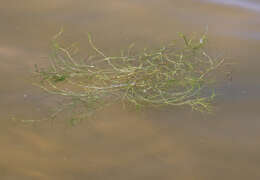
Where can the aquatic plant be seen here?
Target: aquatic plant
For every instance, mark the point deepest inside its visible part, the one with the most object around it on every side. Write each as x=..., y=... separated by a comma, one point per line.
x=167, y=76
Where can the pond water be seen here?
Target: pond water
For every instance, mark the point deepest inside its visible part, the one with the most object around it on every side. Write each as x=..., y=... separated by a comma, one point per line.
x=174, y=144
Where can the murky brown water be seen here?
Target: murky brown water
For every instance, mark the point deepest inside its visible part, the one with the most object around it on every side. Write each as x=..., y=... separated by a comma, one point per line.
x=165, y=145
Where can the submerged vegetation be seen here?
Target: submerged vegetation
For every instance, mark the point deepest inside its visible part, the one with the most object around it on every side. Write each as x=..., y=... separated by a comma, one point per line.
x=167, y=76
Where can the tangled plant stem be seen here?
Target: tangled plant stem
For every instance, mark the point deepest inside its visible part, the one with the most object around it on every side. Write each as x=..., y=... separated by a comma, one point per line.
x=168, y=76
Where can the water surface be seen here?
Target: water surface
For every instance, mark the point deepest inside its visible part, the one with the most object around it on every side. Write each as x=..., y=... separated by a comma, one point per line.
x=176, y=144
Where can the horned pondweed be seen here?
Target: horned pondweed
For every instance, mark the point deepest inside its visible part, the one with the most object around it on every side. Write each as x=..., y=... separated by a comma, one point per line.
x=167, y=76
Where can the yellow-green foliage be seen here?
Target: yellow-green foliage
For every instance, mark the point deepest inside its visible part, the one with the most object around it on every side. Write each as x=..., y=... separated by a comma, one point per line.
x=168, y=76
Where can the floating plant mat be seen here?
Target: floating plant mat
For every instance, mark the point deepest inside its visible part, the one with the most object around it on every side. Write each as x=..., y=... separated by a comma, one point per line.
x=167, y=76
